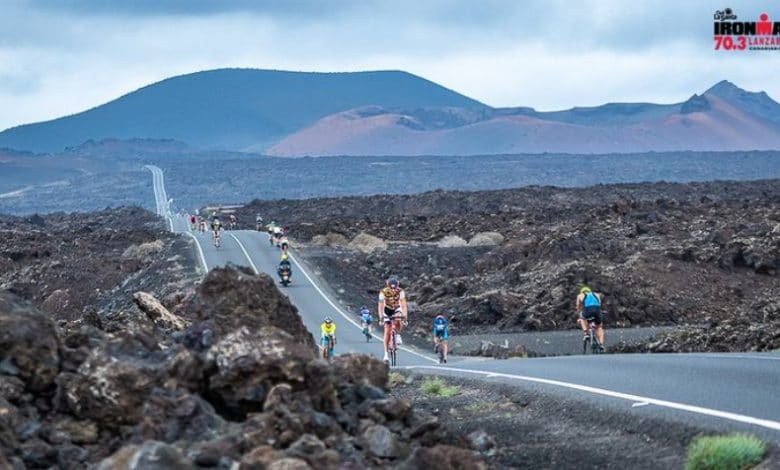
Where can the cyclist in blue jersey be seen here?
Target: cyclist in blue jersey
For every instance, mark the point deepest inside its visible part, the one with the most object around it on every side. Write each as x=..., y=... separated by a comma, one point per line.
x=589, y=308
x=365, y=319
x=441, y=335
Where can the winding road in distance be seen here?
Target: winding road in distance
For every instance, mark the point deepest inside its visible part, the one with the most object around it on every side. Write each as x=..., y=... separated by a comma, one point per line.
x=717, y=392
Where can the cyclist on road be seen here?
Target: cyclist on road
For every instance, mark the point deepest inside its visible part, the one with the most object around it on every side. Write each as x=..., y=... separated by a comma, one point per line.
x=589, y=308
x=441, y=334
x=233, y=222
x=365, y=318
x=328, y=337
x=391, y=299
x=258, y=223
x=284, y=244
x=216, y=227
x=193, y=221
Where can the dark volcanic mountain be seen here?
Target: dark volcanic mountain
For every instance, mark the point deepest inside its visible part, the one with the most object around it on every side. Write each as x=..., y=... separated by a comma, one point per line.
x=236, y=109
x=395, y=113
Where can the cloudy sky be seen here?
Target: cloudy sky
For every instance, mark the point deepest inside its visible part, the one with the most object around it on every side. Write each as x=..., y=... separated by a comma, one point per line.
x=58, y=57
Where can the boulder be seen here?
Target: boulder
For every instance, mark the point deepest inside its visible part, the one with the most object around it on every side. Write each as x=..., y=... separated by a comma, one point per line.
x=248, y=363
x=360, y=369
x=381, y=442
x=29, y=347
x=231, y=298
x=260, y=458
x=451, y=241
x=289, y=463
x=112, y=384
x=143, y=251
x=367, y=243
x=157, y=312
x=443, y=457
x=486, y=239
x=151, y=455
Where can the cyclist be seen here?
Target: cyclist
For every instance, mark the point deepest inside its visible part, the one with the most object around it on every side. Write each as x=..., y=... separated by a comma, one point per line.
x=270, y=229
x=202, y=223
x=391, y=299
x=258, y=223
x=328, y=337
x=193, y=220
x=589, y=308
x=233, y=222
x=365, y=319
x=216, y=226
x=284, y=244
x=441, y=335
x=277, y=234
x=284, y=267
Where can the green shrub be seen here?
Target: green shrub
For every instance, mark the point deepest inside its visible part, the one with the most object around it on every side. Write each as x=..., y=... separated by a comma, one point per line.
x=438, y=388
x=730, y=452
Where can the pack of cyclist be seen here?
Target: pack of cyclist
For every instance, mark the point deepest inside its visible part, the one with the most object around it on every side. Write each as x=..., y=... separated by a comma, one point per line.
x=392, y=308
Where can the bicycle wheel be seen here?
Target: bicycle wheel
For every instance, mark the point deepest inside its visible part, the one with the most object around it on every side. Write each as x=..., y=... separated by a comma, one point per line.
x=585, y=344
x=393, y=348
x=596, y=346
x=441, y=353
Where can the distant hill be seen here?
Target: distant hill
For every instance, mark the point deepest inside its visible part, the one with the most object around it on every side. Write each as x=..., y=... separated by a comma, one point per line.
x=235, y=109
x=725, y=117
x=389, y=113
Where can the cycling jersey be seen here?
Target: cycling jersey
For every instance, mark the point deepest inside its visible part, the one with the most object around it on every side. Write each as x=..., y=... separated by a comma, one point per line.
x=328, y=330
x=216, y=226
x=440, y=328
x=366, y=317
x=392, y=297
x=591, y=300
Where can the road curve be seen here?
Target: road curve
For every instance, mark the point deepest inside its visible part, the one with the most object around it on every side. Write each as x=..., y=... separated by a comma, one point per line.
x=719, y=392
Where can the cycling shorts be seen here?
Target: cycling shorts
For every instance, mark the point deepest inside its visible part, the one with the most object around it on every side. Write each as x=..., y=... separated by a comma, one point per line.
x=594, y=314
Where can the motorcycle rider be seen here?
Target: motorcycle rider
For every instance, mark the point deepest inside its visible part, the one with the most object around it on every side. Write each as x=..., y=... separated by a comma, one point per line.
x=284, y=268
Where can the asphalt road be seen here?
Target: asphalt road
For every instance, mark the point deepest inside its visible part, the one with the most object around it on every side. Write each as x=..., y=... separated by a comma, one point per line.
x=717, y=392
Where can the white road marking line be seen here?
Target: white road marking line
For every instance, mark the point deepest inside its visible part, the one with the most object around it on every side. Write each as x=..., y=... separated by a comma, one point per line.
x=740, y=356
x=765, y=423
x=241, y=245
x=641, y=403
x=200, y=251
x=346, y=317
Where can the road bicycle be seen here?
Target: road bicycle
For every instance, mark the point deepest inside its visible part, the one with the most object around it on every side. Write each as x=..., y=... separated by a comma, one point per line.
x=591, y=342
x=392, y=345
x=438, y=349
x=217, y=239
x=327, y=349
x=367, y=331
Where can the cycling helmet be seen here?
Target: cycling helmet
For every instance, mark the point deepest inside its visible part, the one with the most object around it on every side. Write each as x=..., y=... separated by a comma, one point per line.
x=328, y=320
x=439, y=316
x=364, y=309
x=585, y=290
x=392, y=281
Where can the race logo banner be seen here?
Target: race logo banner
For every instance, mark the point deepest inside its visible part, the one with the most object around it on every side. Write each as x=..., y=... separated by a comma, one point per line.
x=732, y=34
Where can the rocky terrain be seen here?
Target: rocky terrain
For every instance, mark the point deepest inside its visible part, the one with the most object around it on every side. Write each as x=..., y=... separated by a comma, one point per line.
x=114, y=355
x=705, y=255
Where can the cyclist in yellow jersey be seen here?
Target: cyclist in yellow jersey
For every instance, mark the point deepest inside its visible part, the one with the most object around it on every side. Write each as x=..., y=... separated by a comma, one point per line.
x=328, y=337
